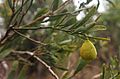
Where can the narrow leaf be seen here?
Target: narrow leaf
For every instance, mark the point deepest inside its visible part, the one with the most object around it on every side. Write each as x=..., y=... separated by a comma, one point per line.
x=10, y=4
x=89, y=27
x=61, y=68
x=22, y=74
x=80, y=66
x=99, y=27
x=70, y=22
x=93, y=28
x=5, y=52
x=56, y=17
x=85, y=19
x=12, y=73
x=100, y=38
x=40, y=12
x=55, y=5
x=66, y=41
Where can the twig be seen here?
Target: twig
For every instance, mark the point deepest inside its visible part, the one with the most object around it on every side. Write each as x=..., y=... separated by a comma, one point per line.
x=6, y=36
x=97, y=76
x=37, y=42
x=47, y=66
x=62, y=6
x=36, y=28
x=36, y=20
x=47, y=14
x=41, y=61
x=67, y=31
x=25, y=12
x=116, y=75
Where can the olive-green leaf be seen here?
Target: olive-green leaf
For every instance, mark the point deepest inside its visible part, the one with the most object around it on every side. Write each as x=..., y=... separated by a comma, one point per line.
x=85, y=19
x=10, y=4
x=100, y=38
x=61, y=68
x=12, y=73
x=90, y=26
x=98, y=27
x=40, y=12
x=80, y=66
x=55, y=5
x=70, y=22
x=55, y=17
x=5, y=52
x=22, y=73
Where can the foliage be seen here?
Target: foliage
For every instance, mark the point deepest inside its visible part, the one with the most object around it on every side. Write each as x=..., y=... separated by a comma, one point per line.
x=44, y=31
x=111, y=68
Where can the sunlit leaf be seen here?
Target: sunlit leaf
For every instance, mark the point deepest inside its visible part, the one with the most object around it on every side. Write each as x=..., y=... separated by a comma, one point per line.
x=65, y=41
x=55, y=17
x=98, y=27
x=100, y=38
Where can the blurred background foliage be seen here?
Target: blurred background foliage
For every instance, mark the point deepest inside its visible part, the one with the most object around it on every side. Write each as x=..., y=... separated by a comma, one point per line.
x=48, y=30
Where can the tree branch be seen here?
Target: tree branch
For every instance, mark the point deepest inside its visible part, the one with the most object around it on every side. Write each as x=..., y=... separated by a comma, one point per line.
x=37, y=42
x=38, y=59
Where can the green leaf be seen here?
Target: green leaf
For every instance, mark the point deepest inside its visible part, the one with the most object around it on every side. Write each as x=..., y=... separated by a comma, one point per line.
x=89, y=27
x=5, y=52
x=61, y=68
x=65, y=75
x=70, y=22
x=55, y=5
x=65, y=41
x=93, y=28
x=56, y=17
x=100, y=38
x=85, y=19
x=40, y=12
x=12, y=73
x=98, y=27
x=82, y=63
x=10, y=4
x=86, y=29
x=22, y=74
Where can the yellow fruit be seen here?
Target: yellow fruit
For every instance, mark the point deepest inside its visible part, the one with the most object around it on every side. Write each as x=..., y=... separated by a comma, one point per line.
x=88, y=51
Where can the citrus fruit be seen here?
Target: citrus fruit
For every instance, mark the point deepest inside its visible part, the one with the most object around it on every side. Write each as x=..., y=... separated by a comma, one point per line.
x=88, y=51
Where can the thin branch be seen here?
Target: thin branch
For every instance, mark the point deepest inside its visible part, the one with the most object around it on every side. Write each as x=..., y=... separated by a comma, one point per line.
x=37, y=42
x=47, y=14
x=115, y=76
x=40, y=60
x=6, y=36
x=25, y=12
x=38, y=19
x=36, y=28
x=47, y=66
x=21, y=6
x=62, y=6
